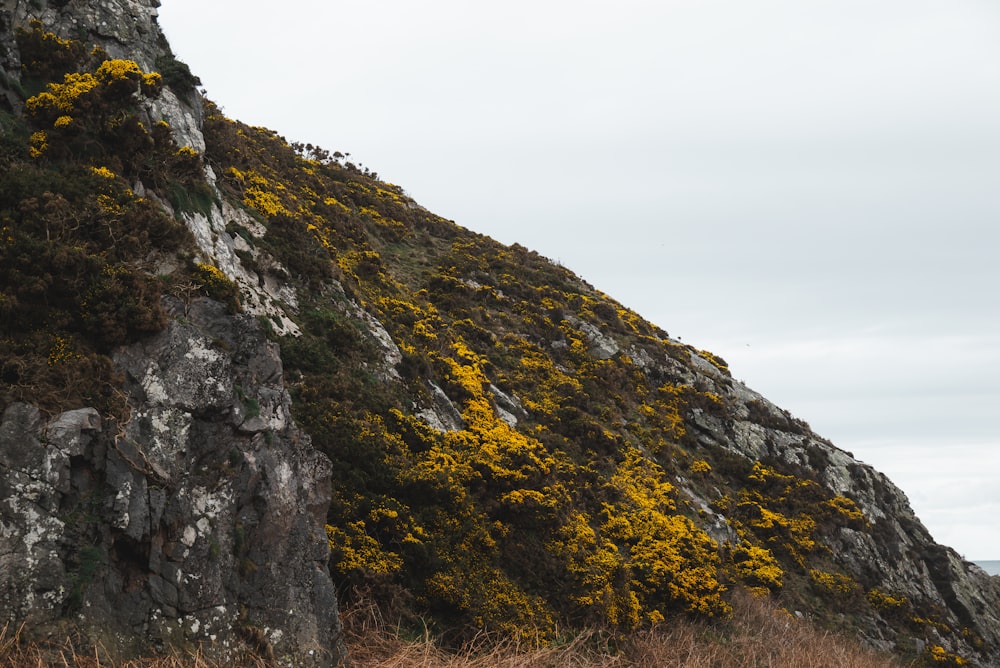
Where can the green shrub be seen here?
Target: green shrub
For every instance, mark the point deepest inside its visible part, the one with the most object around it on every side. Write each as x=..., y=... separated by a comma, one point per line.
x=176, y=74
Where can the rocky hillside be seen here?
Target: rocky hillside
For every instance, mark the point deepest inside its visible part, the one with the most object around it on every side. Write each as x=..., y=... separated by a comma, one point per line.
x=238, y=376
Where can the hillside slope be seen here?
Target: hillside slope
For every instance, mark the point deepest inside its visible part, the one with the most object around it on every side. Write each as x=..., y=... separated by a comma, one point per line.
x=237, y=373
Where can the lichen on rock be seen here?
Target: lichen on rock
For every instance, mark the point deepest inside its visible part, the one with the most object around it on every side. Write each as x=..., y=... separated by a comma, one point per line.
x=182, y=524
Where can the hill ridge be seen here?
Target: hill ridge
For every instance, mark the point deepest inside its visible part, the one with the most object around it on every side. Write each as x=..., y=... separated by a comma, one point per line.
x=469, y=432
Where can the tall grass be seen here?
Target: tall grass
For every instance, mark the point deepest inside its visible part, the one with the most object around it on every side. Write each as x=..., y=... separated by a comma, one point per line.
x=18, y=652
x=759, y=635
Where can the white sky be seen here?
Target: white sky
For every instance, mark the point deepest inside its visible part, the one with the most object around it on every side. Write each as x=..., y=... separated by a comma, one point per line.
x=810, y=189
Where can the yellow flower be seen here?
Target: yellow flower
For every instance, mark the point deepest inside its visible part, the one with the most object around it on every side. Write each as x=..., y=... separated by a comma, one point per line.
x=265, y=203
x=113, y=71
x=700, y=466
x=151, y=84
x=103, y=171
x=39, y=143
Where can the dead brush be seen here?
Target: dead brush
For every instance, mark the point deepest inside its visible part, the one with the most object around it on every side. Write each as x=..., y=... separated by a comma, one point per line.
x=758, y=635
x=17, y=652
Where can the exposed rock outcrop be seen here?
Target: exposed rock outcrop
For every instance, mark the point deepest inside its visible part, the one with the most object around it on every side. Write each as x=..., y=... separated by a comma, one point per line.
x=123, y=28
x=197, y=520
x=199, y=516
x=127, y=29
x=897, y=553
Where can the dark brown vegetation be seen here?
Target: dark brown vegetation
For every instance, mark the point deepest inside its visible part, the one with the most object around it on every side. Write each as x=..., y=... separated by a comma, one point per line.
x=758, y=634
x=78, y=247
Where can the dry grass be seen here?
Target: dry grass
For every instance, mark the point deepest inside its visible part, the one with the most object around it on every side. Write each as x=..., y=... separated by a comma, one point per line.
x=17, y=652
x=758, y=636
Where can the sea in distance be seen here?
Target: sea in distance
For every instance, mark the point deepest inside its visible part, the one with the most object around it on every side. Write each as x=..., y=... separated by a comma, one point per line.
x=991, y=567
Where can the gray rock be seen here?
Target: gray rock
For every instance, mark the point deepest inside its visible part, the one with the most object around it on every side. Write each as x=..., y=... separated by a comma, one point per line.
x=442, y=414
x=33, y=576
x=207, y=526
x=199, y=516
x=602, y=346
x=20, y=449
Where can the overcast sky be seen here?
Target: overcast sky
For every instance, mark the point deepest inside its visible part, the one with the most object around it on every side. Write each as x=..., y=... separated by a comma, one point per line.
x=808, y=188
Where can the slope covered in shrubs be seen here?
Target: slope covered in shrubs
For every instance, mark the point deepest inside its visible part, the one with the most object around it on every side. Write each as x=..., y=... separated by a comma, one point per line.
x=514, y=452
x=513, y=460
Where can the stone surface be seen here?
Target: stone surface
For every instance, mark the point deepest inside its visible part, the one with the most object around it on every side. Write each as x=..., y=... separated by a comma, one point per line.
x=199, y=517
x=123, y=28
x=259, y=294
x=602, y=346
x=442, y=413
x=128, y=29
x=198, y=520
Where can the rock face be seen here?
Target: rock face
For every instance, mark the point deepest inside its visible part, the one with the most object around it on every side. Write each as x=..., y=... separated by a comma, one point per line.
x=128, y=29
x=199, y=516
x=199, y=519
x=897, y=553
x=123, y=28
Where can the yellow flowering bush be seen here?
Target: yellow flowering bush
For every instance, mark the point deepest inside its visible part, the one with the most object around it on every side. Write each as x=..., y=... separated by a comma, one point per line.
x=103, y=172
x=39, y=143
x=216, y=284
x=61, y=98
x=757, y=567
x=846, y=510
x=151, y=84
x=493, y=601
x=44, y=54
x=89, y=104
x=881, y=600
x=640, y=560
x=354, y=550
x=265, y=203
x=938, y=656
x=837, y=584
x=506, y=477
x=700, y=467
x=61, y=351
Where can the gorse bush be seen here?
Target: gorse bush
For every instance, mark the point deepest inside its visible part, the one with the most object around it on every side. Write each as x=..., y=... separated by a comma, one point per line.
x=215, y=284
x=68, y=269
x=44, y=55
x=78, y=244
x=551, y=499
x=514, y=454
x=449, y=515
